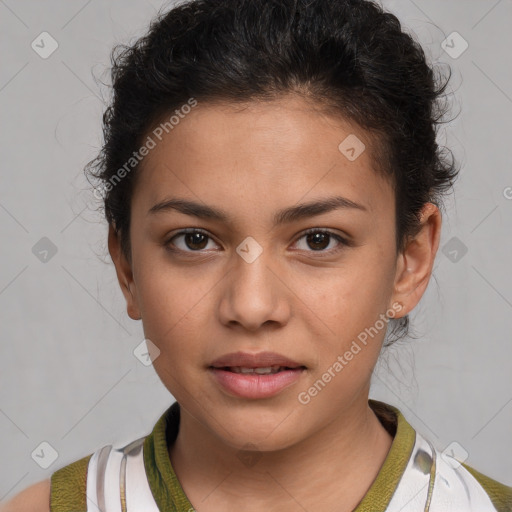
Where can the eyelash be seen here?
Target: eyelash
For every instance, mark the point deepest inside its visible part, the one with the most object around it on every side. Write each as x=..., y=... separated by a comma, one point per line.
x=343, y=241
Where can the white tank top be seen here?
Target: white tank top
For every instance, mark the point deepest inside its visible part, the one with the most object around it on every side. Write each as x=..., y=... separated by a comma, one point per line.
x=117, y=482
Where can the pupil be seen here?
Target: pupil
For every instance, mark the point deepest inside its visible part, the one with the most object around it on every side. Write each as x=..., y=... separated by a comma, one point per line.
x=192, y=239
x=316, y=238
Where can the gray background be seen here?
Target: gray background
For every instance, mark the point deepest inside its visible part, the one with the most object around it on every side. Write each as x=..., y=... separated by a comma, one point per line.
x=68, y=373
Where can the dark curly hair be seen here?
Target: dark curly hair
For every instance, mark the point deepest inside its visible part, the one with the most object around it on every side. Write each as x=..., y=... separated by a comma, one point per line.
x=350, y=57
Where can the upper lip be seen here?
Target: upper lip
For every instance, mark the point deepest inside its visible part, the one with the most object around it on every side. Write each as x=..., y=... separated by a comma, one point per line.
x=258, y=360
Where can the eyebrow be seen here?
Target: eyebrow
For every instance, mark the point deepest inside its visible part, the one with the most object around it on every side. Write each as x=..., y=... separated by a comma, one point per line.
x=286, y=215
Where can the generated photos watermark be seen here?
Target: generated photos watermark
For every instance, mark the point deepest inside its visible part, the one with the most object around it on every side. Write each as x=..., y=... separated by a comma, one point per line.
x=305, y=397
x=150, y=143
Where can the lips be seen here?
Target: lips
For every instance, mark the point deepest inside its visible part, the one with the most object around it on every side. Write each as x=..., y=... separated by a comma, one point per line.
x=247, y=362
x=255, y=376
x=263, y=370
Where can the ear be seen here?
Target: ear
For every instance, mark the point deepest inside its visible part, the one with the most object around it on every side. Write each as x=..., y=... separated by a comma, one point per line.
x=415, y=263
x=124, y=274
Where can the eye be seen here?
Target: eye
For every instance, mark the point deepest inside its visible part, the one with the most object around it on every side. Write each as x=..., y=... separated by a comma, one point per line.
x=196, y=240
x=318, y=240
x=193, y=240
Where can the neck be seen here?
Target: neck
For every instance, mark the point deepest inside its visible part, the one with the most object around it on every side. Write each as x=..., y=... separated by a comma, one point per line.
x=216, y=474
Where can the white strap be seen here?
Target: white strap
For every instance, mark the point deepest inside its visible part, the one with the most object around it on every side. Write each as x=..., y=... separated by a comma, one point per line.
x=138, y=493
x=111, y=479
x=411, y=493
x=110, y=471
x=90, y=493
x=95, y=485
x=454, y=488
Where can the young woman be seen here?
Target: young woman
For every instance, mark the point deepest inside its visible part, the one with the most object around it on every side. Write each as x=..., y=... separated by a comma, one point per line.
x=273, y=186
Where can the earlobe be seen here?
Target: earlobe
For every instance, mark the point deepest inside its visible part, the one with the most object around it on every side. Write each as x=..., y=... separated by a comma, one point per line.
x=124, y=274
x=415, y=263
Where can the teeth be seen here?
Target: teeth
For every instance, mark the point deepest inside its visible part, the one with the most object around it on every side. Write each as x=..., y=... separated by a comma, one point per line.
x=260, y=371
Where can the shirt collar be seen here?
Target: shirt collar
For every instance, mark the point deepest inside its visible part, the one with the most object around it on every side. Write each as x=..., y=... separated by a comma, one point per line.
x=170, y=496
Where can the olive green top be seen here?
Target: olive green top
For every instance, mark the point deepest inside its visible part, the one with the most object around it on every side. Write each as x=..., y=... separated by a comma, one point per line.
x=68, y=484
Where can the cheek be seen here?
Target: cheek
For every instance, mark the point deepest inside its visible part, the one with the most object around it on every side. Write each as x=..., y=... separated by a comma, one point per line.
x=352, y=302
x=165, y=291
x=352, y=296
x=172, y=309
x=347, y=358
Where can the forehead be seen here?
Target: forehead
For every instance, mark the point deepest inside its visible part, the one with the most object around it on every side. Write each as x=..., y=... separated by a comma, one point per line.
x=273, y=153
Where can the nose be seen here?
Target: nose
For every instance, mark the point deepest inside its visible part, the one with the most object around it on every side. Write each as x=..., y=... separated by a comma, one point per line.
x=254, y=293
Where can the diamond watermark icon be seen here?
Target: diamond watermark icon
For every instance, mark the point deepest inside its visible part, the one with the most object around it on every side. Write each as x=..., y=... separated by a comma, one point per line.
x=454, y=45
x=249, y=249
x=249, y=455
x=351, y=147
x=44, y=45
x=45, y=455
x=454, y=454
x=44, y=250
x=146, y=352
x=454, y=249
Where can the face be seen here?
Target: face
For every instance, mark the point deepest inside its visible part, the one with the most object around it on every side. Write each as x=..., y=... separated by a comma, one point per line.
x=255, y=273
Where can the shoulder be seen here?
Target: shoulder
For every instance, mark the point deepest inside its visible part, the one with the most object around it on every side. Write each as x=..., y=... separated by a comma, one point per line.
x=35, y=498
x=500, y=494
x=65, y=488
x=69, y=486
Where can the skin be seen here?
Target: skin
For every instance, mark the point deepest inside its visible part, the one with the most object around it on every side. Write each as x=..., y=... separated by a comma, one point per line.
x=35, y=498
x=202, y=301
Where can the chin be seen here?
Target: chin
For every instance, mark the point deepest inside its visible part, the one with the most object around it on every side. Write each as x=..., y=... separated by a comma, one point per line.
x=258, y=431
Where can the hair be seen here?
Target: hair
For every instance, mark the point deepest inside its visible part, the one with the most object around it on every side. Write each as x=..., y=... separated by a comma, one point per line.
x=348, y=57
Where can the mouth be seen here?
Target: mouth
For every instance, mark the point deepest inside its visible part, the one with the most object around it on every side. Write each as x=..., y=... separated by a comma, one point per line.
x=255, y=382
x=264, y=362
x=255, y=375
x=261, y=370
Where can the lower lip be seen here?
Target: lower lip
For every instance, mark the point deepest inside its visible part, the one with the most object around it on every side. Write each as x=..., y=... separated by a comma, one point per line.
x=252, y=385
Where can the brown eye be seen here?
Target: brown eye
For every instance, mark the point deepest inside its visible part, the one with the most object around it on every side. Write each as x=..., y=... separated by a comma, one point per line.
x=317, y=240
x=193, y=240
